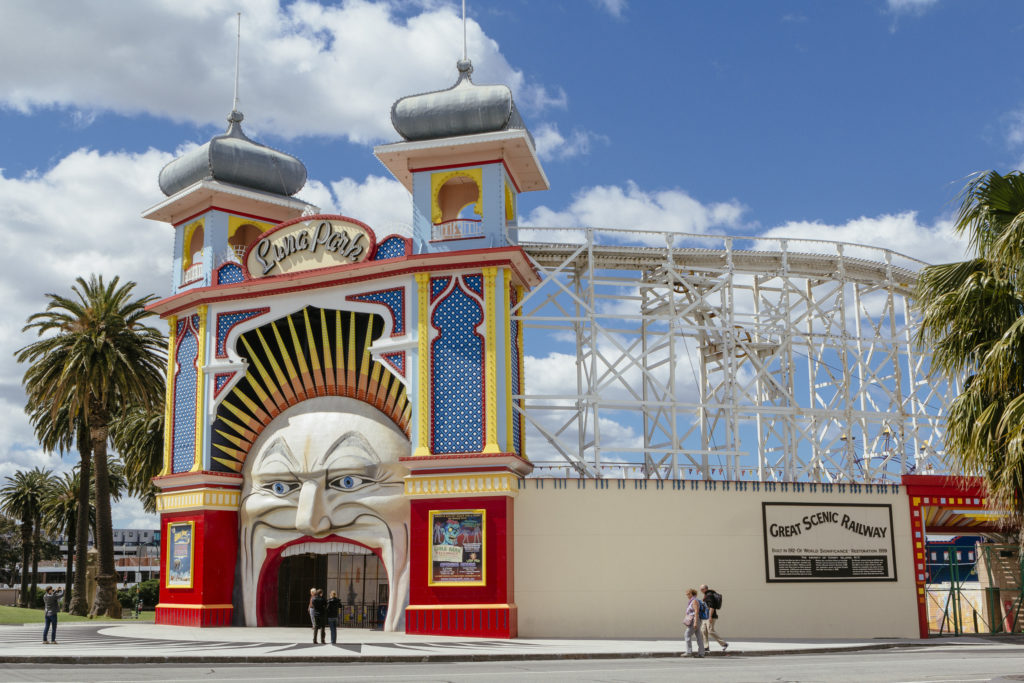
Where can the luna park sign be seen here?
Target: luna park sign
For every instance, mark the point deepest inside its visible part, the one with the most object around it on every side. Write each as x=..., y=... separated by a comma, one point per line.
x=310, y=243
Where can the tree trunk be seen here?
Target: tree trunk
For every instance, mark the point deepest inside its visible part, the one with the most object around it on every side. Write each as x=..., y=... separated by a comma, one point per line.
x=70, y=566
x=79, y=603
x=26, y=547
x=106, y=579
x=36, y=523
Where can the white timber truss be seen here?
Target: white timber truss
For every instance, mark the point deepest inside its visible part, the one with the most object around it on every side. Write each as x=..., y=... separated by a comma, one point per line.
x=672, y=356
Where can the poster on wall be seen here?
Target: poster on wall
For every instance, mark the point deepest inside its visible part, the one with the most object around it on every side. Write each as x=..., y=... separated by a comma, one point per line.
x=457, y=548
x=828, y=542
x=180, y=555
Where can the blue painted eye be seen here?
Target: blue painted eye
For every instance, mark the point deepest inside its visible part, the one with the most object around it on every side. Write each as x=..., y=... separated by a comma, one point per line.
x=349, y=482
x=280, y=488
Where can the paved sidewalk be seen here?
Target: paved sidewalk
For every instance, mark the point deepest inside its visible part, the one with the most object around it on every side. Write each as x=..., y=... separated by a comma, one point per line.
x=92, y=643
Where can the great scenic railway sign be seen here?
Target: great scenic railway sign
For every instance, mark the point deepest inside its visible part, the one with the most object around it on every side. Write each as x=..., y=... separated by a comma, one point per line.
x=310, y=243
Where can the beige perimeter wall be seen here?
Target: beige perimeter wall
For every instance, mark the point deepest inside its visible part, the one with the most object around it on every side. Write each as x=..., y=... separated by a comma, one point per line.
x=614, y=562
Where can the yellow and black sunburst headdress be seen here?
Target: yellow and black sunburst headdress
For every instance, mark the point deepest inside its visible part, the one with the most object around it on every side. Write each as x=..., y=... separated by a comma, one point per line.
x=310, y=353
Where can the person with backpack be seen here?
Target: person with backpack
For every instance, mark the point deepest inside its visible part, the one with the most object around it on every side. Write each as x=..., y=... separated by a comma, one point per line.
x=692, y=623
x=713, y=600
x=319, y=615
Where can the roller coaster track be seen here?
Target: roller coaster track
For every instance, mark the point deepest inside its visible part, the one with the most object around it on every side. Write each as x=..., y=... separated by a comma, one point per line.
x=664, y=355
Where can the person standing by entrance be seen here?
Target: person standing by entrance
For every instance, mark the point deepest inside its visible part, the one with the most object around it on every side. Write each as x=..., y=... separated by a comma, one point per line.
x=51, y=605
x=713, y=600
x=692, y=623
x=312, y=619
x=333, y=605
x=319, y=615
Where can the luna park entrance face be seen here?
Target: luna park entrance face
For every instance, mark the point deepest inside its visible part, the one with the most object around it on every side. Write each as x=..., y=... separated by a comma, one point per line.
x=359, y=579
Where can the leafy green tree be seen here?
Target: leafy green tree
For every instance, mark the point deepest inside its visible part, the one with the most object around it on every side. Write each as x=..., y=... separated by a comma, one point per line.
x=96, y=355
x=973, y=323
x=138, y=436
x=22, y=496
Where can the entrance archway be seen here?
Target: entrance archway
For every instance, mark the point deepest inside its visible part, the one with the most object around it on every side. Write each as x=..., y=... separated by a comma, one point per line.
x=354, y=572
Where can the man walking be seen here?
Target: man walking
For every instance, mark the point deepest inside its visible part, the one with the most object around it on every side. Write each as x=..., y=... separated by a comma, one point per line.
x=713, y=600
x=51, y=605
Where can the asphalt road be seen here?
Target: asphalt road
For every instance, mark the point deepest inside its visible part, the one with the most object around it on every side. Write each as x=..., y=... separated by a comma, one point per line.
x=904, y=665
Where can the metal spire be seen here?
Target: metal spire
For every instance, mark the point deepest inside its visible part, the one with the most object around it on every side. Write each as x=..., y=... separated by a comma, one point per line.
x=238, y=47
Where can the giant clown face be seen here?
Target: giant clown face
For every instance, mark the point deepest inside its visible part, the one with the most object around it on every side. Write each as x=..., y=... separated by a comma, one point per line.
x=325, y=471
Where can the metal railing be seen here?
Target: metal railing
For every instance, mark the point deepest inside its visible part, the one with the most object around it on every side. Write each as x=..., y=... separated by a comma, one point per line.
x=458, y=229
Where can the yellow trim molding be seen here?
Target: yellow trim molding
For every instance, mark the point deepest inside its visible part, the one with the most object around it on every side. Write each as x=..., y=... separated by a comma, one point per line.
x=437, y=181
x=490, y=363
x=198, y=499
x=510, y=204
x=186, y=242
x=197, y=461
x=423, y=363
x=462, y=484
x=172, y=338
x=235, y=222
x=506, y=328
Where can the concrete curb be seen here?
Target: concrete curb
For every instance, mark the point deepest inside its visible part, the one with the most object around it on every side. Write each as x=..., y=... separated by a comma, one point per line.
x=423, y=658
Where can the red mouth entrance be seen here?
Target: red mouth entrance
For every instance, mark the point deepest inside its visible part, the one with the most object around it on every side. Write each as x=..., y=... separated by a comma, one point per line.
x=282, y=600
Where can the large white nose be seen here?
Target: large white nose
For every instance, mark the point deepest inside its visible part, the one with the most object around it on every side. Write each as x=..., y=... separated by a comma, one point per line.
x=311, y=516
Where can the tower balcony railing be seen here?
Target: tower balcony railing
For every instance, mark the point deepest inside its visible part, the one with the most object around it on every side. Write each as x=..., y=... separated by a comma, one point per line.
x=192, y=273
x=458, y=229
x=235, y=253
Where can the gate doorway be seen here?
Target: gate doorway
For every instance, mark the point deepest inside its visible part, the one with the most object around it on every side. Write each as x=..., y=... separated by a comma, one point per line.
x=359, y=579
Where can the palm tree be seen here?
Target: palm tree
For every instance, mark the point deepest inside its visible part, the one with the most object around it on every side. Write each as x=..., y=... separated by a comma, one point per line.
x=60, y=516
x=22, y=496
x=138, y=436
x=973, y=323
x=96, y=356
x=57, y=433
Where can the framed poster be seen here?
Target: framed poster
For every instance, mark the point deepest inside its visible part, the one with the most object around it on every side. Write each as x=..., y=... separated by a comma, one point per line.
x=181, y=554
x=457, y=548
x=828, y=542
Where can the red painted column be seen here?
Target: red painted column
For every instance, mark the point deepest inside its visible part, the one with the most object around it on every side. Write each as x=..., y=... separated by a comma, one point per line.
x=486, y=610
x=202, y=508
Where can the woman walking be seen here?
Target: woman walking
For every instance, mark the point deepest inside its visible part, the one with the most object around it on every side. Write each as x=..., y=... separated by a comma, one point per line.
x=692, y=623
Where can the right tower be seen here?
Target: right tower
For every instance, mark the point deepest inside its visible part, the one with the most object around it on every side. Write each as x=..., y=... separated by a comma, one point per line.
x=465, y=158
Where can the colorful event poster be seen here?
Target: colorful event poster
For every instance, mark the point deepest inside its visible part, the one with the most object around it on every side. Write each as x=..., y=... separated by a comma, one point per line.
x=457, y=548
x=180, y=555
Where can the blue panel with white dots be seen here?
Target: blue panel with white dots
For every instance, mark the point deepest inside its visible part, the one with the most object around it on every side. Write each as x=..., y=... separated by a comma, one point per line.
x=395, y=360
x=226, y=321
x=457, y=391
x=392, y=247
x=394, y=299
x=475, y=283
x=183, y=447
x=437, y=285
x=230, y=273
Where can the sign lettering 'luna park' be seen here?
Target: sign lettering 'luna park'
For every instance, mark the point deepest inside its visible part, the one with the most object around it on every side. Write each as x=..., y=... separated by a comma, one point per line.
x=310, y=243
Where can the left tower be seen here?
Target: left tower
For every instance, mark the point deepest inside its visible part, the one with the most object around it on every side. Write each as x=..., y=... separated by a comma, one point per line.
x=221, y=198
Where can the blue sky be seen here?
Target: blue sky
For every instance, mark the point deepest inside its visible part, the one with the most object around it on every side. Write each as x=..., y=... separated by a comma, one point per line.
x=856, y=121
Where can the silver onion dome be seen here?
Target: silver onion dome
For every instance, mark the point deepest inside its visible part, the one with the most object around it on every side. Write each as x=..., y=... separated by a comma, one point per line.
x=234, y=158
x=463, y=109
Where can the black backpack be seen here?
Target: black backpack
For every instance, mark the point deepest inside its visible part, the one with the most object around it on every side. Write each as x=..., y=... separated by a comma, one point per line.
x=714, y=599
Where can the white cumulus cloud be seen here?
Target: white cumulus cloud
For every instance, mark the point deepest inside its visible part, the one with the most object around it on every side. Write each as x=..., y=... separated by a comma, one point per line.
x=632, y=208
x=306, y=69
